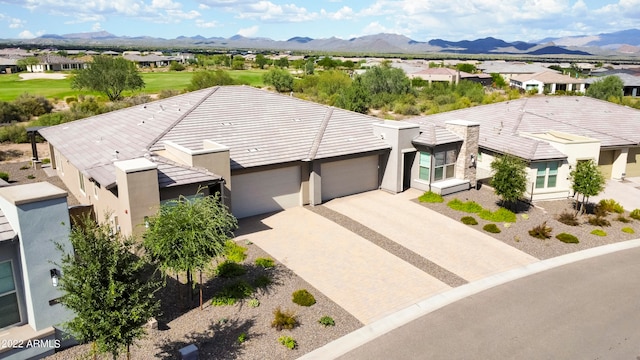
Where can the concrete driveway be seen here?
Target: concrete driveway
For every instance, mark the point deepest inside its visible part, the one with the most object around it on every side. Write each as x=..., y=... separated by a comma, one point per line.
x=460, y=249
x=362, y=278
x=627, y=193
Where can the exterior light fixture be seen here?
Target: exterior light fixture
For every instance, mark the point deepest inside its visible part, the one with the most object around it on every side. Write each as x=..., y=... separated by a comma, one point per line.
x=54, y=277
x=146, y=222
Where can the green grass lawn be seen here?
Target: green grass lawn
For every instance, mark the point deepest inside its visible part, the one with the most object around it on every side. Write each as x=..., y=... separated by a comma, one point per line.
x=12, y=86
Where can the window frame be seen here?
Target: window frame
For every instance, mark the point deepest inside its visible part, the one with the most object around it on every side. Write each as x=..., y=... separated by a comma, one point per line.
x=448, y=165
x=426, y=166
x=546, y=177
x=12, y=292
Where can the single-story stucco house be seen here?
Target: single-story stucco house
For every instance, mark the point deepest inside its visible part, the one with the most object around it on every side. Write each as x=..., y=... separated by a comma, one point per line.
x=265, y=152
x=553, y=133
x=33, y=219
x=549, y=82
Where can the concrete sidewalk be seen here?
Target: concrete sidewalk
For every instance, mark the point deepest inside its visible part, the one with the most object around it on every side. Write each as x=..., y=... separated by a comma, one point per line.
x=359, y=276
x=460, y=249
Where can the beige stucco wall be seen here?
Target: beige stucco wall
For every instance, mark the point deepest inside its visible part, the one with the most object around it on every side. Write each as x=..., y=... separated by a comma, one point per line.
x=633, y=162
x=605, y=162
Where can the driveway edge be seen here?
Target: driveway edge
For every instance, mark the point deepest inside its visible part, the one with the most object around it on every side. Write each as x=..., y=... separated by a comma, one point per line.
x=378, y=328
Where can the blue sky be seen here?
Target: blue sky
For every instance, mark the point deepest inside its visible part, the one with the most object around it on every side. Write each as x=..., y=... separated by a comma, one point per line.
x=279, y=20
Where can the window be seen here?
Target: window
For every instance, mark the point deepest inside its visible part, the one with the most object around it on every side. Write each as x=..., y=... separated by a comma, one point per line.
x=547, y=174
x=81, y=180
x=445, y=165
x=96, y=188
x=9, y=310
x=425, y=166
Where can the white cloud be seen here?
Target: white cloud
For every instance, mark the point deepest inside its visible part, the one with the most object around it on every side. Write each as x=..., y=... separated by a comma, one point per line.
x=96, y=27
x=248, y=32
x=26, y=34
x=206, y=24
x=165, y=4
x=16, y=23
x=344, y=13
x=203, y=7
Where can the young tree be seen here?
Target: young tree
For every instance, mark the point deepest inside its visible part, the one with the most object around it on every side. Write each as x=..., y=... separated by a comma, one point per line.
x=283, y=62
x=186, y=234
x=509, y=178
x=610, y=87
x=280, y=79
x=355, y=97
x=587, y=180
x=107, y=287
x=261, y=61
x=28, y=63
x=205, y=79
x=108, y=75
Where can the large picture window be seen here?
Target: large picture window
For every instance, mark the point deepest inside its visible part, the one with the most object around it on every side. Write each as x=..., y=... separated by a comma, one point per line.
x=9, y=310
x=425, y=166
x=445, y=165
x=547, y=174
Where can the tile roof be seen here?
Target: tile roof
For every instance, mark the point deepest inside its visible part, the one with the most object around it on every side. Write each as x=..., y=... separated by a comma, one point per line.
x=433, y=135
x=6, y=231
x=500, y=123
x=259, y=127
x=548, y=77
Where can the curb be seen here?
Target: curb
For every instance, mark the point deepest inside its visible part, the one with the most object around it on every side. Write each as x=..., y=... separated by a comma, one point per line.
x=378, y=328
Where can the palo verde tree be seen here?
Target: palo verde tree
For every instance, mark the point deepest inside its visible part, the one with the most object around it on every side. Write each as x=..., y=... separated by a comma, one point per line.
x=280, y=79
x=108, y=75
x=109, y=288
x=610, y=88
x=587, y=180
x=509, y=179
x=188, y=233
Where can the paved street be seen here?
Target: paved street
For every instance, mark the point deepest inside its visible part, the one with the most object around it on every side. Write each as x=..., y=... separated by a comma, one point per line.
x=588, y=309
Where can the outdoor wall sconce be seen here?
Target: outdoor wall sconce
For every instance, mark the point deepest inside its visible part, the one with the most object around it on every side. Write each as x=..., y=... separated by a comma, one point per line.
x=146, y=222
x=54, y=277
x=472, y=158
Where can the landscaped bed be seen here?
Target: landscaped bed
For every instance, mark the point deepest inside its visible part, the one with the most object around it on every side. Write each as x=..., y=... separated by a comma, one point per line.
x=516, y=233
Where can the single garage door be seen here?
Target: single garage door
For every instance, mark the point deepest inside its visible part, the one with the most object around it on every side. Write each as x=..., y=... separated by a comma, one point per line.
x=347, y=177
x=605, y=163
x=265, y=191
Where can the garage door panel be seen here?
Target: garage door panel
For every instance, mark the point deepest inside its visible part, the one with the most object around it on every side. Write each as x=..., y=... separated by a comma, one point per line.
x=265, y=191
x=347, y=177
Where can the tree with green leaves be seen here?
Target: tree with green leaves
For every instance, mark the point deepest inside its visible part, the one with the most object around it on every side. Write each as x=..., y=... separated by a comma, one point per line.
x=108, y=75
x=509, y=179
x=109, y=288
x=280, y=79
x=283, y=62
x=261, y=61
x=355, y=97
x=468, y=68
x=587, y=180
x=238, y=62
x=28, y=63
x=205, y=79
x=610, y=88
x=188, y=233
x=498, y=80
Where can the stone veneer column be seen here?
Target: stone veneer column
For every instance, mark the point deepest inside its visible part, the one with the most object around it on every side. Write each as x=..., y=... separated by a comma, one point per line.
x=467, y=158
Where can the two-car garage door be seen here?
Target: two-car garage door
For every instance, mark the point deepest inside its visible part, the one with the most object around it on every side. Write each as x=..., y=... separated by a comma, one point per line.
x=265, y=191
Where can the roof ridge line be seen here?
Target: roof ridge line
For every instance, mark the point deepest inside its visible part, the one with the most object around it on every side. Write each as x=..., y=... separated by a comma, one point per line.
x=323, y=127
x=170, y=127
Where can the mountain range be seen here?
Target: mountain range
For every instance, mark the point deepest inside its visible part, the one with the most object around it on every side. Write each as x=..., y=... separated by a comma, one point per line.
x=625, y=43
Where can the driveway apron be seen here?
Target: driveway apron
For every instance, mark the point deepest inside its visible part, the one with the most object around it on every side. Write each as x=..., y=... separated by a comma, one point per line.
x=458, y=248
x=359, y=276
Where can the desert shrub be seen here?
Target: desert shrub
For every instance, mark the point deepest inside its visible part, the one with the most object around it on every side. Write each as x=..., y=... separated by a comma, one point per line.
x=242, y=338
x=500, y=215
x=231, y=293
x=598, y=221
x=491, y=228
x=611, y=206
x=469, y=206
x=265, y=262
x=541, y=231
x=469, y=220
x=623, y=219
x=30, y=177
x=287, y=341
x=599, y=232
x=26, y=167
x=4, y=176
x=167, y=93
x=628, y=230
x=31, y=105
x=635, y=214
x=568, y=218
x=254, y=303
x=303, y=298
x=327, y=321
x=46, y=161
x=430, y=197
x=283, y=319
x=234, y=252
x=70, y=99
x=262, y=281
x=9, y=113
x=228, y=269
x=567, y=238
x=176, y=66
x=15, y=133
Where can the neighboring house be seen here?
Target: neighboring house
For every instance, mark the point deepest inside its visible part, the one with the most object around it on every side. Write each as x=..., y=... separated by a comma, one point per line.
x=552, y=134
x=8, y=66
x=547, y=82
x=630, y=79
x=510, y=69
x=151, y=60
x=33, y=219
x=52, y=62
x=450, y=75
